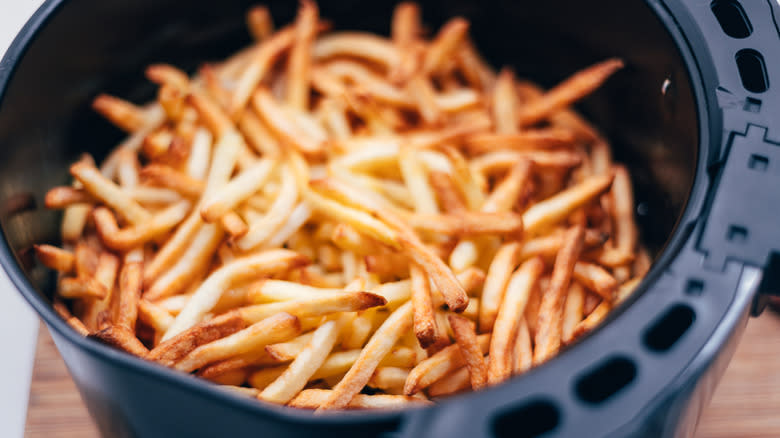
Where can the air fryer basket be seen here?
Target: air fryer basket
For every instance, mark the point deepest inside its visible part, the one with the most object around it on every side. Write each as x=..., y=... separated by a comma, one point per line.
x=690, y=116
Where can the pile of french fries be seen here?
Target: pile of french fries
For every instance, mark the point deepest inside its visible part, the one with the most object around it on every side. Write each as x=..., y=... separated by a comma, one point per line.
x=339, y=220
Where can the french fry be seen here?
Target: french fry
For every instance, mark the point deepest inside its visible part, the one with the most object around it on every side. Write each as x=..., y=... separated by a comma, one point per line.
x=507, y=192
x=63, y=197
x=444, y=45
x=573, y=311
x=260, y=22
x=133, y=236
x=314, y=398
x=327, y=304
x=439, y=365
x=130, y=286
x=505, y=103
x=523, y=351
x=388, y=378
x=500, y=364
x=498, y=275
x=287, y=351
x=466, y=339
x=237, y=190
x=276, y=328
x=207, y=295
x=109, y=193
x=596, y=278
x=424, y=324
x=555, y=208
x=452, y=383
x=294, y=379
x=121, y=338
x=281, y=209
x=569, y=91
x=154, y=316
x=299, y=61
x=359, y=45
x=592, y=320
x=56, y=258
x=548, y=330
x=376, y=348
x=522, y=141
x=121, y=113
x=173, y=179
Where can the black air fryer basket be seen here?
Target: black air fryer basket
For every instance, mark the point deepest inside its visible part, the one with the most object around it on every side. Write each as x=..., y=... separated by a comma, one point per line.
x=691, y=116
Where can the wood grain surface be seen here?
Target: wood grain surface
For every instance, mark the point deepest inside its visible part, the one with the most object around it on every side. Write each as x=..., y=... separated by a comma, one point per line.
x=745, y=405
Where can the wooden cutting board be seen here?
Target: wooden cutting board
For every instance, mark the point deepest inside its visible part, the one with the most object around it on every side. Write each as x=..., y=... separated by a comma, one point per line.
x=745, y=405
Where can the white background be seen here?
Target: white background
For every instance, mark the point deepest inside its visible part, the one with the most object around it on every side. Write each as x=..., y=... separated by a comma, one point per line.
x=18, y=323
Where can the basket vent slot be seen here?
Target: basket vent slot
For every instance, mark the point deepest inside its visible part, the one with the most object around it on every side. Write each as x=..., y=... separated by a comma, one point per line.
x=606, y=380
x=669, y=328
x=528, y=420
x=732, y=18
x=752, y=70
x=758, y=162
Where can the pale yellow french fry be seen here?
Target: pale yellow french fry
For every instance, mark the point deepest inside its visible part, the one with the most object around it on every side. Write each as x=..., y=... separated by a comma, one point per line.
x=294, y=379
x=597, y=279
x=325, y=305
x=299, y=61
x=209, y=292
x=388, y=378
x=505, y=103
x=109, y=193
x=287, y=351
x=236, y=190
x=281, y=209
x=56, y=258
x=136, y=235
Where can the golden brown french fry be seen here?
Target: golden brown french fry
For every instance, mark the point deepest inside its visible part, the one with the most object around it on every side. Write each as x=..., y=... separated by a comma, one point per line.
x=439, y=365
x=499, y=272
x=592, y=320
x=233, y=224
x=162, y=74
x=523, y=351
x=388, y=378
x=507, y=192
x=500, y=363
x=445, y=45
x=474, y=69
x=557, y=207
x=259, y=66
x=299, y=61
x=72, y=321
x=173, y=179
x=627, y=288
x=314, y=398
x=358, y=45
x=424, y=323
x=109, y=193
x=452, y=383
x=447, y=193
x=550, y=319
x=493, y=162
x=258, y=135
x=466, y=339
x=212, y=115
x=207, y=295
x=136, y=235
x=573, y=311
x=293, y=380
x=549, y=138
x=154, y=316
x=130, y=286
x=64, y=196
x=275, y=328
x=376, y=348
x=424, y=95
x=123, y=114
x=505, y=103
x=260, y=22
x=56, y=258
x=597, y=279
x=121, y=338
x=569, y=91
